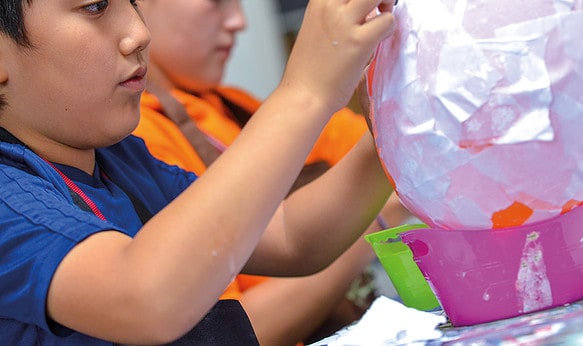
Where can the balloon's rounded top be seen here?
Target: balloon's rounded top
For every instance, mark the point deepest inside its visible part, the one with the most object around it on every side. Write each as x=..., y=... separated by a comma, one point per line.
x=478, y=110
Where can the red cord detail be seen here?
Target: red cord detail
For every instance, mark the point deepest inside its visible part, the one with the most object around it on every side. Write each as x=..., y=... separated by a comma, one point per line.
x=79, y=192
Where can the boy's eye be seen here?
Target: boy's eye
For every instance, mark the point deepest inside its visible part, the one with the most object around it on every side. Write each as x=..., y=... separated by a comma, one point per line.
x=97, y=7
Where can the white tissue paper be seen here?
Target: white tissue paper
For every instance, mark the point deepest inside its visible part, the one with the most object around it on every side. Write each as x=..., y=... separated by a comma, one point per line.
x=388, y=322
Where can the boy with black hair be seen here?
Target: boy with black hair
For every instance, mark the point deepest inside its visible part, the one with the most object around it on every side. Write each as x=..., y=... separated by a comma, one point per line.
x=99, y=242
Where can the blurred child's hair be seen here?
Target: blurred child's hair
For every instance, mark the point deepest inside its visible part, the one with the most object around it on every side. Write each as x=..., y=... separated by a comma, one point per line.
x=12, y=26
x=12, y=20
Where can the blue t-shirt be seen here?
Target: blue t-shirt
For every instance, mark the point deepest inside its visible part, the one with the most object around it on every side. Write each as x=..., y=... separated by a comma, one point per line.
x=40, y=223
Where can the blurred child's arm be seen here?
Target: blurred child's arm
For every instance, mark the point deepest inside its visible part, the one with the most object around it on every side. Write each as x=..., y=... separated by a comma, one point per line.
x=326, y=216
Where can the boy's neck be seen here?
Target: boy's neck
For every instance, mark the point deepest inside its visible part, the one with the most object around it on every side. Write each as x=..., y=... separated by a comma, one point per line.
x=158, y=80
x=53, y=151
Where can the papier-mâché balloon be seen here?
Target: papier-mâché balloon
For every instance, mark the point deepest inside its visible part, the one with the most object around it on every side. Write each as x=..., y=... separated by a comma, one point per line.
x=478, y=110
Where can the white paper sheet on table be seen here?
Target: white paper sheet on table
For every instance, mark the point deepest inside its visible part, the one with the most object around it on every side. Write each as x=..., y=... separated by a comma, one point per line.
x=388, y=322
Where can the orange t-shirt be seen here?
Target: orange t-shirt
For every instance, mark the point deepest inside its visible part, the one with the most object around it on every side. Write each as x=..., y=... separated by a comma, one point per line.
x=167, y=143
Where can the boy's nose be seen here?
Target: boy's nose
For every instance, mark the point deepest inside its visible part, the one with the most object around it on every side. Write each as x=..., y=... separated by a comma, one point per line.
x=137, y=37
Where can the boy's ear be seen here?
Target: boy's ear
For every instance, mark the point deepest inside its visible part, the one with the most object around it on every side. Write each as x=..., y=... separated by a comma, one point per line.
x=3, y=73
x=3, y=68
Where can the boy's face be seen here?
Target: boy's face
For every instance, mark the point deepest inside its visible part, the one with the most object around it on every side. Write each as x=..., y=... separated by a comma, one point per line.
x=80, y=83
x=192, y=39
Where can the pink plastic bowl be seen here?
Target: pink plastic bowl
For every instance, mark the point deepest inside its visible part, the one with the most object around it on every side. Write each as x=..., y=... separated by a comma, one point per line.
x=487, y=275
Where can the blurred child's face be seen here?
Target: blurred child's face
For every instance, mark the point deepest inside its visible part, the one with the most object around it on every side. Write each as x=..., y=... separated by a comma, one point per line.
x=80, y=82
x=192, y=39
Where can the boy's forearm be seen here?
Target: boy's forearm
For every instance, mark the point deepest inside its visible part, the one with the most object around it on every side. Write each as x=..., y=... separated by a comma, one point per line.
x=251, y=195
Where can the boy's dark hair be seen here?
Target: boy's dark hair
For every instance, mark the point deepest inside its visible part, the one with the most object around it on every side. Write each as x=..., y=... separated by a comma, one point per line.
x=12, y=26
x=12, y=20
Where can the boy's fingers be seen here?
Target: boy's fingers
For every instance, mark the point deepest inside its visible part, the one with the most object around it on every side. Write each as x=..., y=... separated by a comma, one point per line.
x=361, y=9
x=379, y=20
x=387, y=5
x=382, y=25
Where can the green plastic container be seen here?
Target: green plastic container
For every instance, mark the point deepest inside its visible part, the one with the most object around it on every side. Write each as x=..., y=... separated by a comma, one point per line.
x=397, y=260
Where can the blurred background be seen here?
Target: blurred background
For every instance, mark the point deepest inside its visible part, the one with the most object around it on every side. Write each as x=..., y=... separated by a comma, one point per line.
x=259, y=57
x=261, y=51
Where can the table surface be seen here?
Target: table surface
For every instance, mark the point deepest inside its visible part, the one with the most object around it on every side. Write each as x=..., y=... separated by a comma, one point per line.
x=558, y=326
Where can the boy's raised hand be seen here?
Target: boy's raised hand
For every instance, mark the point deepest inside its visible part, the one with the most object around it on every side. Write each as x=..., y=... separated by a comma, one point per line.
x=334, y=45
